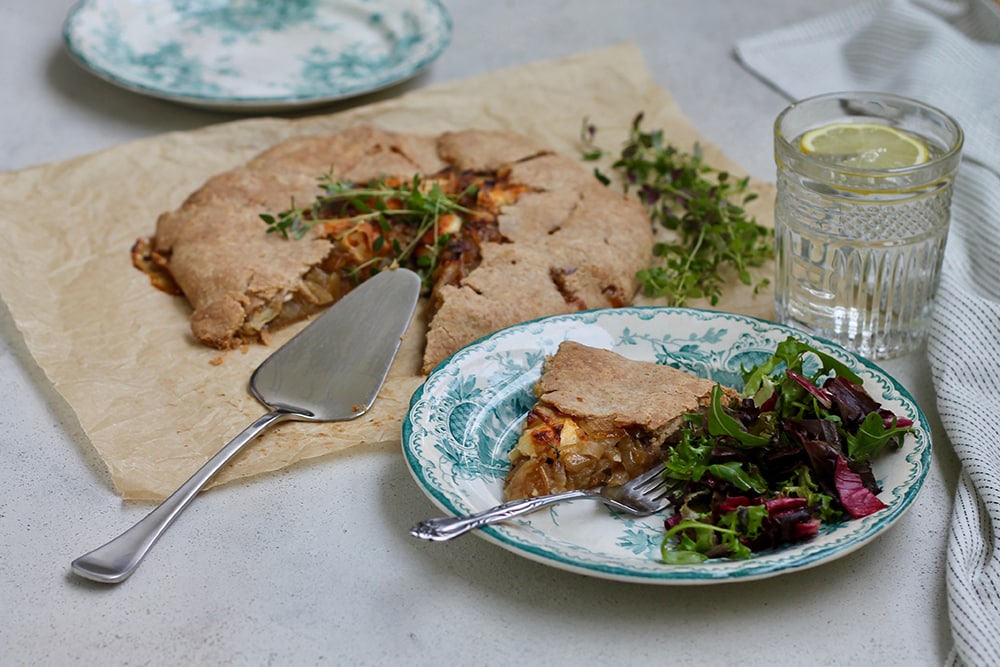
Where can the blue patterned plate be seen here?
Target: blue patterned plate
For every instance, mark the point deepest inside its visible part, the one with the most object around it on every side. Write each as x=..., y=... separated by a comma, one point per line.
x=468, y=414
x=256, y=55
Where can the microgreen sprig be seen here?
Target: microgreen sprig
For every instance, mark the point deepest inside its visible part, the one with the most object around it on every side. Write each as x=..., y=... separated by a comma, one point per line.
x=417, y=205
x=702, y=205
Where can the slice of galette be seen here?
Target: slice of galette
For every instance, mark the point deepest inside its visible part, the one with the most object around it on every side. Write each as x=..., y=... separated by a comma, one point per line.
x=600, y=419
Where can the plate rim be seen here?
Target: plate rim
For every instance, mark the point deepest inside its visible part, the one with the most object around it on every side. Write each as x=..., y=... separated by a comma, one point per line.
x=247, y=103
x=710, y=572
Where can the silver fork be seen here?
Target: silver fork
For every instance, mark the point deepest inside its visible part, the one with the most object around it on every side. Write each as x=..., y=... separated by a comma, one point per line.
x=641, y=496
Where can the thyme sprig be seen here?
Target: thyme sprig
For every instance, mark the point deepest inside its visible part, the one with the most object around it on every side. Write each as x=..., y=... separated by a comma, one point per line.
x=416, y=205
x=703, y=206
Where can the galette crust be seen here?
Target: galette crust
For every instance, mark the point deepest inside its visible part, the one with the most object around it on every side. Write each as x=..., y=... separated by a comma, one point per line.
x=598, y=384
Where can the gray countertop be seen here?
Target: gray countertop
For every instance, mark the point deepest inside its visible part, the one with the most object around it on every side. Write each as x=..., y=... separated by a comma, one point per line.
x=313, y=564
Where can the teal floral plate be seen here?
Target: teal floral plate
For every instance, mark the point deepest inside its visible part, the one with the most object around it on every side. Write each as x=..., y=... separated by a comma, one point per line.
x=256, y=55
x=467, y=416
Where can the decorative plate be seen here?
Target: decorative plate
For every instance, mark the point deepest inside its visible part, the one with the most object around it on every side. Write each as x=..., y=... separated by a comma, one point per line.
x=256, y=55
x=468, y=414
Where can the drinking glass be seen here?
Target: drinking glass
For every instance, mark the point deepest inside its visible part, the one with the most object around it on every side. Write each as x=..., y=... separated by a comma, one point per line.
x=858, y=248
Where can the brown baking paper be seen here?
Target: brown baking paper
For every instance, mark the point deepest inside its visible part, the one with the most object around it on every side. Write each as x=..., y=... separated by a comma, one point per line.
x=155, y=404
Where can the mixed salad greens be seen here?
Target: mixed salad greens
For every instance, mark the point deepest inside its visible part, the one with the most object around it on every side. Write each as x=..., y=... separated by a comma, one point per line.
x=793, y=454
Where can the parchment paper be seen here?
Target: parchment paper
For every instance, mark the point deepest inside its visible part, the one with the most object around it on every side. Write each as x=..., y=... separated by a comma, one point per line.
x=155, y=404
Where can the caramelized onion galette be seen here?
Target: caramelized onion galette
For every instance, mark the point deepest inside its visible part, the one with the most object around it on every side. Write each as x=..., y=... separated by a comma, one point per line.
x=532, y=233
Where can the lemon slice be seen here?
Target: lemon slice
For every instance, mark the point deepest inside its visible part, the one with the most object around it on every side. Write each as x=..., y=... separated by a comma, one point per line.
x=865, y=145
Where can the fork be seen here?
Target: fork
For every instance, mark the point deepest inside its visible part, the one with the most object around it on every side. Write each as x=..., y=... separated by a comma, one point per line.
x=641, y=496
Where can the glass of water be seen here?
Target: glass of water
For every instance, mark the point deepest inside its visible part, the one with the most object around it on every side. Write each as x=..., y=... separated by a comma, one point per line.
x=861, y=217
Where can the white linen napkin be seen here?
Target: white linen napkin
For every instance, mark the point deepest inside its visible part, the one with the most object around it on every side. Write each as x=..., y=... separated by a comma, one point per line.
x=945, y=53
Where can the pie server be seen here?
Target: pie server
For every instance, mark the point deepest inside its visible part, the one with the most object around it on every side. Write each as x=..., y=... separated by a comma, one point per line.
x=331, y=371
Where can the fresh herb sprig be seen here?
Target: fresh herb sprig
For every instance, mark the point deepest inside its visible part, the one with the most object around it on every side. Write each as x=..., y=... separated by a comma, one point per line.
x=702, y=205
x=418, y=205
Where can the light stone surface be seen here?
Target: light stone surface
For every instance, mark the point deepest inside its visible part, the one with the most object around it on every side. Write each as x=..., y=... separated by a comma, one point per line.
x=313, y=565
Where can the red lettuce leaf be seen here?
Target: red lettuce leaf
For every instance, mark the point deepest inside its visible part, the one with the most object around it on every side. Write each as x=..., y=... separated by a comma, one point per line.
x=853, y=493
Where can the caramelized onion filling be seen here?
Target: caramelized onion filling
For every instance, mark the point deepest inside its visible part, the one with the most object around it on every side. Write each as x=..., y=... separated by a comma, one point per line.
x=354, y=245
x=557, y=452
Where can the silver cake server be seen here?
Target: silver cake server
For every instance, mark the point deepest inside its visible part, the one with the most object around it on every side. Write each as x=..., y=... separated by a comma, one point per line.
x=330, y=371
